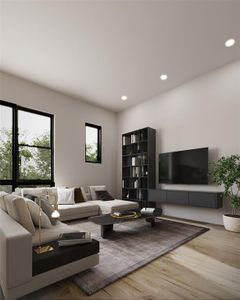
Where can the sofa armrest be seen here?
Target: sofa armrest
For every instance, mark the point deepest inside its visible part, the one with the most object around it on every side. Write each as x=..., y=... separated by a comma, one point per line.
x=15, y=253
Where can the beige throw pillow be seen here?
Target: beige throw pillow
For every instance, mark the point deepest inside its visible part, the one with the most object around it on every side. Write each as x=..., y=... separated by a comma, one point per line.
x=2, y=201
x=84, y=194
x=25, y=218
x=18, y=210
x=11, y=208
x=34, y=211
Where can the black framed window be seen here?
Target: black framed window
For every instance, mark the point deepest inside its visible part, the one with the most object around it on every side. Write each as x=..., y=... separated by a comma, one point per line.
x=93, y=145
x=26, y=147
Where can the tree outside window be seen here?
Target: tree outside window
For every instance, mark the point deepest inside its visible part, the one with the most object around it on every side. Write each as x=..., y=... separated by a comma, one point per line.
x=26, y=147
x=93, y=143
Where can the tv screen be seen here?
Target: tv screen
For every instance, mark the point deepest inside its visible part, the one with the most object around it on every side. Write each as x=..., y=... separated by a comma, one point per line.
x=184, y=167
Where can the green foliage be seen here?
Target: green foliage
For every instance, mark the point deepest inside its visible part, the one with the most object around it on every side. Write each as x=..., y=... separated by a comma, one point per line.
x=91, y=152
x=5, y=154
x=226, y=172
x=34, y=163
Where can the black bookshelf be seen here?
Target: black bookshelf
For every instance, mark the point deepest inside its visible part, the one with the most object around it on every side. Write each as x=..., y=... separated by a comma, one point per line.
x=138, y=165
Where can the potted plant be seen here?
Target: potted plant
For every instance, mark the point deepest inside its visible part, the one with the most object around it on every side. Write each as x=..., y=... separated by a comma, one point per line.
x=226, y=172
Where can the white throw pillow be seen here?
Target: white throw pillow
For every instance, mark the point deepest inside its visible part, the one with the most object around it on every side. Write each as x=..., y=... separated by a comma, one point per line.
x=94, y=188
x=34, y=211
x=2, y=201
x=66, y=196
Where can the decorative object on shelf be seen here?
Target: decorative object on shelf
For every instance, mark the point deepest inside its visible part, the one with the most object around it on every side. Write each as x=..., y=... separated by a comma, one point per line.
x=55, y=215
x=226, y=172
x=126, y=215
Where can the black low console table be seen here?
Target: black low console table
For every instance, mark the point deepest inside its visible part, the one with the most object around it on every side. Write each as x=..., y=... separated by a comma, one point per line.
x=61, y=256
x=188, y=198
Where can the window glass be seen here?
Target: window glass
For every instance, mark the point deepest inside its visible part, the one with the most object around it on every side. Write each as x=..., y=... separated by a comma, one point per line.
x=34, y=163
x=6, y=188
x=93, y=143
x=33, y=129
x=5, y=142
x=26, y=148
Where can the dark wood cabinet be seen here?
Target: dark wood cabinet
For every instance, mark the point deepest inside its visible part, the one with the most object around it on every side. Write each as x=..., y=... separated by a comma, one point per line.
x=188, y=198
x=138, y=165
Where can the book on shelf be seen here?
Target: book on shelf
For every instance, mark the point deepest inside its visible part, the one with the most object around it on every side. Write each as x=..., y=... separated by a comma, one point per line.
x=133, y=138
x=133, y=161
x=74, y=238
x=136, y=161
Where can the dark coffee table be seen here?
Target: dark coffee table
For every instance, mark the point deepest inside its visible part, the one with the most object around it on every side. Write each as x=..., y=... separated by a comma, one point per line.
x=107, y=221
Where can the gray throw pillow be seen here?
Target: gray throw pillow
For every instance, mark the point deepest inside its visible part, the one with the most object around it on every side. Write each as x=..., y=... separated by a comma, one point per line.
x=103, y=195
x=47, y=208
x=31, y=197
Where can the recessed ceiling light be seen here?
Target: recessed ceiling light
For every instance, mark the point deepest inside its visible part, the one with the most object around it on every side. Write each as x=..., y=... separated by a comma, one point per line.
x=163, y=77
x=229, y=43
x=124, y=98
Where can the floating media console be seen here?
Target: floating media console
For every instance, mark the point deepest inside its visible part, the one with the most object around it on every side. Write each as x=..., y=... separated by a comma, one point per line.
x=188, y=198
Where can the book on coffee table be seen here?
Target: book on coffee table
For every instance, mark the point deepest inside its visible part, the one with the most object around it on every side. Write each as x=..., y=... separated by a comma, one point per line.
x=124, y=213
x=147, y=210
x=74, y=238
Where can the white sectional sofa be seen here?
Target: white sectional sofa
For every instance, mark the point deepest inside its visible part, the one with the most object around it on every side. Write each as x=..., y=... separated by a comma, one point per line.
x=85, y=209
x=16, y=258
x=16, y=242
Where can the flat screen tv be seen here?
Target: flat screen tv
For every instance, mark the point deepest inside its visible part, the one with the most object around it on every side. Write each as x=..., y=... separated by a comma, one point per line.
x=184, y=167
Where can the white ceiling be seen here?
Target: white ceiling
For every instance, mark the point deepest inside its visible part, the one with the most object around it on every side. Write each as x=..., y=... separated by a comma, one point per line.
x=100, y=50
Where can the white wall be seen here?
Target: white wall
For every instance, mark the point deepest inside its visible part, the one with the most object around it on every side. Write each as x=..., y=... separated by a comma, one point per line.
x=203, y=112
x=70, y=117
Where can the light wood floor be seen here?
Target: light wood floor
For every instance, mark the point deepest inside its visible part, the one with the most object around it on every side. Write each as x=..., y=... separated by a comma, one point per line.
x=207, y=267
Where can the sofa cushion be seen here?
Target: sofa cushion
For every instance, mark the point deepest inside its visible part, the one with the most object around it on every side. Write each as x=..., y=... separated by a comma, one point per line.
x=34, y=211
x=11, y=207
x=103, y=195
x=25, y=218
x=86, y=196
x=18, y=210
x=78, y=209
x=108, y=207
x=66, y=196
x=51, y=234
x=78, y=196
x=50, y=192
x=47, y=208
x=94, y=188
x=2, y=201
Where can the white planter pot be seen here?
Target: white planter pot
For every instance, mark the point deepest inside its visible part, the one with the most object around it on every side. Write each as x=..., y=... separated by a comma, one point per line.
x=231, y=223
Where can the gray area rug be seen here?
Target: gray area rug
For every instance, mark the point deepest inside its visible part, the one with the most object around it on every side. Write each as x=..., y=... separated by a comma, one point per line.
x=131, y=246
